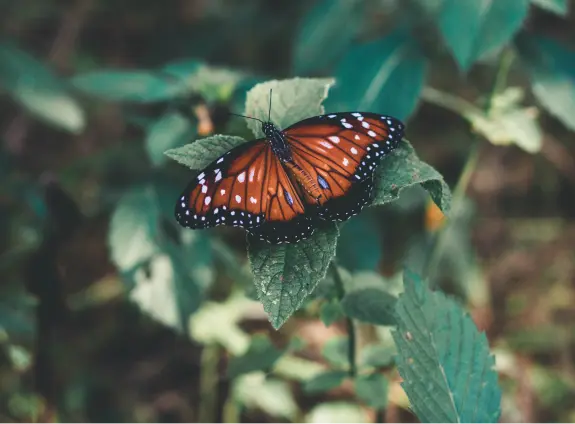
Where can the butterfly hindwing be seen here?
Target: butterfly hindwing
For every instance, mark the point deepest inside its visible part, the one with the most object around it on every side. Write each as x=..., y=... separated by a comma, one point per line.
x=340, y=152
x=246, y=187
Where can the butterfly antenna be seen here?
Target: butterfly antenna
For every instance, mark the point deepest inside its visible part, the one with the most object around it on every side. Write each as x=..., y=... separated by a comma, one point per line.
x=247, y=117
x=270, y=109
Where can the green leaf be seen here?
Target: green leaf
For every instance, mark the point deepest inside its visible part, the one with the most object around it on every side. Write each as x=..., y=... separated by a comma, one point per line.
x=38, y=90
x=330, y=312
x=327, y=30
x=166, y=281
x=338, y=412
x=389, y=80
x=273, y=396
x=285, y=274
x=559, y=7
x=129, y=86
x=335, y=352
x=359, y=246
x=476, y=27
x=508, y=122
x=324, y=382
x=372, y=389
x=202, y=152
x=370, y=305
x=377, y=355
x=402, y=168
x=17, y=313
x=261, y=356
x=170, y=131
x=551, y=67
x=133, y=233
x=292, y=100
x=443, y=359
x=165, y=292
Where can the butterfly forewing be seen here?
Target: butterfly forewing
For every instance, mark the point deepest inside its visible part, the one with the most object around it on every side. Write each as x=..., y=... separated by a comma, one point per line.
x=246, y=187
x=340, y=152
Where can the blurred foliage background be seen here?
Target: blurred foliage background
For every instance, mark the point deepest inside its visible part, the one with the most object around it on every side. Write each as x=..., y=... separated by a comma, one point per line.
x=104, y=318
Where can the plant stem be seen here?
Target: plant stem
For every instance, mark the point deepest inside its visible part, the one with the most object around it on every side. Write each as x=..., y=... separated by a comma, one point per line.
x=351, y=342
x=499, y=82
x=208, y=383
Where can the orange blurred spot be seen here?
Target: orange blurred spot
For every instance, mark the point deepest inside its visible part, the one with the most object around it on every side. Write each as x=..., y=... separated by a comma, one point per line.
x=434, y=218
x=205, y=124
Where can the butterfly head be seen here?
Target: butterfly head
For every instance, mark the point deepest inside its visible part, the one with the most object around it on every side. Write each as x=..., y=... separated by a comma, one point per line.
x=270, y=130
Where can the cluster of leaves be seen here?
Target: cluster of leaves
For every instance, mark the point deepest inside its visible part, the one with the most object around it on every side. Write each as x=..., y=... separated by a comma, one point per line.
x=442, y=358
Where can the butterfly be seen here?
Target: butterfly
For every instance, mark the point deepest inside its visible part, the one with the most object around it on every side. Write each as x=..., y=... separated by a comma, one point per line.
x=279, y=187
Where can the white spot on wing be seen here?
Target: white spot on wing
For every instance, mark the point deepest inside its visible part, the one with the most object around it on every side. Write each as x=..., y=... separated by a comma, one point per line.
x=331, y=116
x=220, y=160
x=222, y=191
x=326, y=144
x=238, y=198
x=219, y=176
x=347, y=125
x=345, y=162
x=356, y=137
x=371, y=133
x=334, y=139
x=253, y=200
x=353, y=150
x=365, y=124
x=207, y=200
x=252, y=173
x=204, y=189
x=242, y=177
x=201, y=176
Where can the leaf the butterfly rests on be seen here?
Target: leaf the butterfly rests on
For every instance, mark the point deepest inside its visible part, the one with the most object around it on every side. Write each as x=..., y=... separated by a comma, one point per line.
x=278, y=187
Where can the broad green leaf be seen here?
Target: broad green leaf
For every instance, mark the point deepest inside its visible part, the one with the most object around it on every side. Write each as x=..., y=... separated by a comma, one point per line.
x=285, y=274
x=359, y=246
x=325, y=381
x=560, y=7
x=389, y=80
x=326, y=31
x=444, y=360
x=261, y=356
x=475, y=27
x=170, y=131
x=402, y=168
x=134, y=232
x=202, y=152
x=292, y=100
x=129, y=86
x=377, y=355
x=38, y=90
x=330, y=312
x=552, y=70
x=370, y=305
x=372, y=389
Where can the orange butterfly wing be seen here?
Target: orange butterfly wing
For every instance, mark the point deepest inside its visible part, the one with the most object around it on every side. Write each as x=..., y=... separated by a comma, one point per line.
x=340, y=152
x=246, y=187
